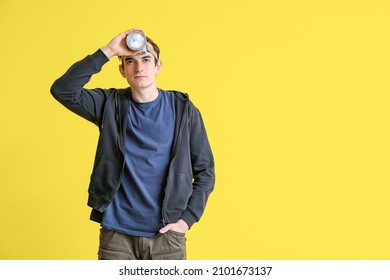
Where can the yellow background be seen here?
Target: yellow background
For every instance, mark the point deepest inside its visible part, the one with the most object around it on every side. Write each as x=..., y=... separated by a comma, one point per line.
x=294, y=94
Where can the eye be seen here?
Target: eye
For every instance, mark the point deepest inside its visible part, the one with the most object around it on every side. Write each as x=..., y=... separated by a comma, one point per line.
x=129, y=61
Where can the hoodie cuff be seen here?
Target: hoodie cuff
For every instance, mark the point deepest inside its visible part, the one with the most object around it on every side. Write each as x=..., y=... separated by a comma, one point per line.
x=189, y=218
x=99, y=58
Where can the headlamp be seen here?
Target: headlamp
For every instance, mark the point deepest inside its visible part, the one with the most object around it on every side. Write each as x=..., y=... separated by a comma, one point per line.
x=136, y=41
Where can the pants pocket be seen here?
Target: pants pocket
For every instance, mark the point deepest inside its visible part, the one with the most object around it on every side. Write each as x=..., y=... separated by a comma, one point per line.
x=178, y=255
x=107, y=254
x=170, y=246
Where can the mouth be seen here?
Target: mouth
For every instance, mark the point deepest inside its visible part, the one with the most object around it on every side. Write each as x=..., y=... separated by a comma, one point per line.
x=139, y=77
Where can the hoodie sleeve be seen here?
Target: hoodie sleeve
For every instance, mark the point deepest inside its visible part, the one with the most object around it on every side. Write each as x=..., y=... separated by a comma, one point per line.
x=202, y=167
x=69, y=88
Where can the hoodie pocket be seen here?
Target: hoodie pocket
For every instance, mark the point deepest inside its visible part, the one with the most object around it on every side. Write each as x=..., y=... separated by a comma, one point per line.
x=179, y=190
x=105, y=178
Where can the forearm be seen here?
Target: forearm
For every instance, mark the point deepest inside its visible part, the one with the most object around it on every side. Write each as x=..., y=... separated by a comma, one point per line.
x=69, y=88
x=198, y=200
x=78, y=75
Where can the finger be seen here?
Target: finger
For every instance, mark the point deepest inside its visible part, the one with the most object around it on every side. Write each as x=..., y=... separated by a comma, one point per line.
x=165, y=229
x=131, y=30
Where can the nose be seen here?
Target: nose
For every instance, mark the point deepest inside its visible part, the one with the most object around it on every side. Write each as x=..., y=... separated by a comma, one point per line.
x=138, y=67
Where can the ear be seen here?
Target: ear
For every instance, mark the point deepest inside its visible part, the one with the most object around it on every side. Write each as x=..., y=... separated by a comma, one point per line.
x=158, y=66
x=122, y=70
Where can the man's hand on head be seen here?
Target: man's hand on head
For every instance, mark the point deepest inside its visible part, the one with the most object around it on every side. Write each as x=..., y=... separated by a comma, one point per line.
x=117, y=46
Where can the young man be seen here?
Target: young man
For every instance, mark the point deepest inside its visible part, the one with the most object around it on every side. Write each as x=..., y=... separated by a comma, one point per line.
x=154, y=167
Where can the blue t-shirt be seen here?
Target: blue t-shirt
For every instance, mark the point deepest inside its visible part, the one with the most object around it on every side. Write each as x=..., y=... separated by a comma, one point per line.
x=136, y=208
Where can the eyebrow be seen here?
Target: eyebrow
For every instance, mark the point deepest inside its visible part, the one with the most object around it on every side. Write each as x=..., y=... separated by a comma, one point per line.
x=145, y=56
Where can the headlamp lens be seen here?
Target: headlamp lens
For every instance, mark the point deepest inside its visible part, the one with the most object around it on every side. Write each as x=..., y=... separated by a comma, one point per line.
x=136, y=41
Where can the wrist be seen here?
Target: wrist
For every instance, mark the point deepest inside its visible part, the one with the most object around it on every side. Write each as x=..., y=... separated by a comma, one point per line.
x=107, y=51
x=183, y=223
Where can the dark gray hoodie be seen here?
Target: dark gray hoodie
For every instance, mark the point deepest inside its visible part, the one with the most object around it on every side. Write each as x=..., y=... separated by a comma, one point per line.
x=191, y=175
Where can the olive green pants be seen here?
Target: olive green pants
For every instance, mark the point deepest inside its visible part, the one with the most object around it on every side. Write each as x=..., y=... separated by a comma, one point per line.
x=118, y=246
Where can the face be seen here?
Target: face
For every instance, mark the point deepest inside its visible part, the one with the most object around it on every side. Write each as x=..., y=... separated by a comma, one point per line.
x=140, y=70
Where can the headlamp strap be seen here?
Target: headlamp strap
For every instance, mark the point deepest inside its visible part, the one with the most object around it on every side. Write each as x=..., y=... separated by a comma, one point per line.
x=151, y=50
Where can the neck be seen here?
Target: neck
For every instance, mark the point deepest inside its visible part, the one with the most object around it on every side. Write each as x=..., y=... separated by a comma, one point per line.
x=144, y=95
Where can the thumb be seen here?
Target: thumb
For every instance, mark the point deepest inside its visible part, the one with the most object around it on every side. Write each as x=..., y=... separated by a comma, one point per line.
x=165, y=229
